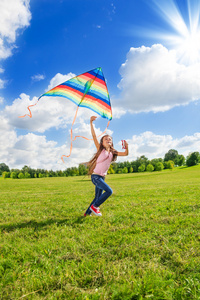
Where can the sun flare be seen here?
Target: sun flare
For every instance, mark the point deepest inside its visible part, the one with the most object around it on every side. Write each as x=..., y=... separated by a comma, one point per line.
x=185, y=38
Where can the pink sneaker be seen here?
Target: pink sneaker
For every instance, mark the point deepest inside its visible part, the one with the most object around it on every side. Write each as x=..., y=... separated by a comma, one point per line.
x=95, y=210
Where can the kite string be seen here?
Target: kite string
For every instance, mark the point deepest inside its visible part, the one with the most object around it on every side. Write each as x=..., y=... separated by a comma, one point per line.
x=71, y=134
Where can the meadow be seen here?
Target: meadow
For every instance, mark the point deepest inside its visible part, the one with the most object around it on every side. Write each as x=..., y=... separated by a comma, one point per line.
x=145, y=246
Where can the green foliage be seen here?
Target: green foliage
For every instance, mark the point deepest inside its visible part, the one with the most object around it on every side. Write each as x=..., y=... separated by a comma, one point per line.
x=146, y=245
x=159, y=166
x=169, y=164
x=21, y=175
x=27, y=175
x=125, y=170
x=149, y=168
x=193, y=159
x=6, y=174
x=180, y=160
x=111, y=170
x=171, y=155
x=13, y=175
x=155, y=161
x=141, y=168
x=4, y=168
x=131, y=170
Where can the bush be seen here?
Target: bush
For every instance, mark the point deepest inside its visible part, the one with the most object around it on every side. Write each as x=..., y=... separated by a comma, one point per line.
x=159, y=166
x=131, y=170
x=169, y=164
x=141, y=168
x=150, y=168
x=6, y=174
x=13, y=175
x=27, y=175
x=193, y=159
x=21, y=175
x=125, y=170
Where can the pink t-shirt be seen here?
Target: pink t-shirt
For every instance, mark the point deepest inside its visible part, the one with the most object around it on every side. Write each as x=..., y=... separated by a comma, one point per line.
x=103, y=163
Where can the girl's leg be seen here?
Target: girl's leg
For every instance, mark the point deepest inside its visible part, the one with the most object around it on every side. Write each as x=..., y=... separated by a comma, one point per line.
x=100, y=183
x=98, y=193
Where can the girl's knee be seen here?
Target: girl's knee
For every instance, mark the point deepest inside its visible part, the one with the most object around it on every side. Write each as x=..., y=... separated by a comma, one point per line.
x=110, y=192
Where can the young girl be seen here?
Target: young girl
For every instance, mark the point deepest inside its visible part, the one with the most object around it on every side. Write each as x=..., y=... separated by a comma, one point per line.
x=98, y=167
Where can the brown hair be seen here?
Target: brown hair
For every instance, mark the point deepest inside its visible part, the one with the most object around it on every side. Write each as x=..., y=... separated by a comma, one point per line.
x=92, y=163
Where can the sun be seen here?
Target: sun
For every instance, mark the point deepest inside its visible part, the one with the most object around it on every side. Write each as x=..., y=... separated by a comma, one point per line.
x=185, y=34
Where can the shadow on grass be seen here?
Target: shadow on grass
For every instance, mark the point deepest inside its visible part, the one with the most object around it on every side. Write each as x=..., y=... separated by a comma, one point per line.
x=71, y=222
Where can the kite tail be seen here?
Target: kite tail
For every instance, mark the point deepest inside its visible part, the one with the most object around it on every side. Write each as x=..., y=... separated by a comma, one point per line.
x=72, y=140
x=29, y=115
x=71, y=136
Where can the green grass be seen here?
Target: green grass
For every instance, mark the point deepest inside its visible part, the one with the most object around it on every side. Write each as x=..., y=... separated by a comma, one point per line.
x=146, y=245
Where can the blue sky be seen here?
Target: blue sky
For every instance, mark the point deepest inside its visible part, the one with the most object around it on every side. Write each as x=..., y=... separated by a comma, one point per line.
x=150, y=55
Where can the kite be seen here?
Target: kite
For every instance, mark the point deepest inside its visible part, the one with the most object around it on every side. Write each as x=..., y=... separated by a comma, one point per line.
x=86, y=90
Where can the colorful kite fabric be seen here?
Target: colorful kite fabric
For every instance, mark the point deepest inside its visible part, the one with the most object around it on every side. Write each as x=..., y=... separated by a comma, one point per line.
x=86, y=90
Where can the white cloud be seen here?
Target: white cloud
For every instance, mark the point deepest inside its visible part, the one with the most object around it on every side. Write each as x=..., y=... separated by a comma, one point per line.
x=15, y=15
x=153, y=80
x=2, y=83
x=37, y=152
x=38, y=77
x=155, y=146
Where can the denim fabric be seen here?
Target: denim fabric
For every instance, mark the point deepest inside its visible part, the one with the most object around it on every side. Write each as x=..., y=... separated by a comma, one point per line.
x=100, y=186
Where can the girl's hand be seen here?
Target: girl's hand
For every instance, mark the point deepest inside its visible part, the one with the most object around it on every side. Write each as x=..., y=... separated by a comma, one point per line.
x=93, y=118
x=126, y=144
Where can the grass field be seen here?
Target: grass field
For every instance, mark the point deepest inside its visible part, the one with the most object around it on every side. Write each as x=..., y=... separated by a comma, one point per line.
x=146, y=245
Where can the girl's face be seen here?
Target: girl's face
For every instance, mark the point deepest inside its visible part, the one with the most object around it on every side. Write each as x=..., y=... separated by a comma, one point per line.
x=107, y=141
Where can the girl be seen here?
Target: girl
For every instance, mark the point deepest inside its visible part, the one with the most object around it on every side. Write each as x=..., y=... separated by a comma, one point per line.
x=98, y=167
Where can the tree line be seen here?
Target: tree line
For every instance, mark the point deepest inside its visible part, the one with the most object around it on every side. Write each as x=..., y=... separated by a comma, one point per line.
x=141, y=164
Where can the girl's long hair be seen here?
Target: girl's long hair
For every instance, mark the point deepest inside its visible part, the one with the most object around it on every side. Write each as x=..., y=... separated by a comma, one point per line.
x=92, y=163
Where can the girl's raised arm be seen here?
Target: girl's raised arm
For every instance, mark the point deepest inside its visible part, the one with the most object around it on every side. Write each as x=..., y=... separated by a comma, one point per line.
x=93, y=118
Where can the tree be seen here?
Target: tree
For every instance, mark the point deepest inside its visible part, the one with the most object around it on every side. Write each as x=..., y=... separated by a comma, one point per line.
x=4, y=167
x=130, y=170
x=125, y=170
x=159, y=166
x=193, y=159
x=169, y=164
x=6, y=174
x=82, y=169
x=171, y=155
x=180, y=160
x=111, y=170
x=149, y=168
x=141, y=168
x=27, y=175
x=155, y=161
x=21, y=175
x=13, y=175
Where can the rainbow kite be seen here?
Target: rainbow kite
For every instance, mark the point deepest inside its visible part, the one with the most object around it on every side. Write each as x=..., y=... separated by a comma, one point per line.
x=86, y=90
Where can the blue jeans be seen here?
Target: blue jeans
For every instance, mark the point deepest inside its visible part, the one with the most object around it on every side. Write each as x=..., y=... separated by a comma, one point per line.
x=100, y=186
